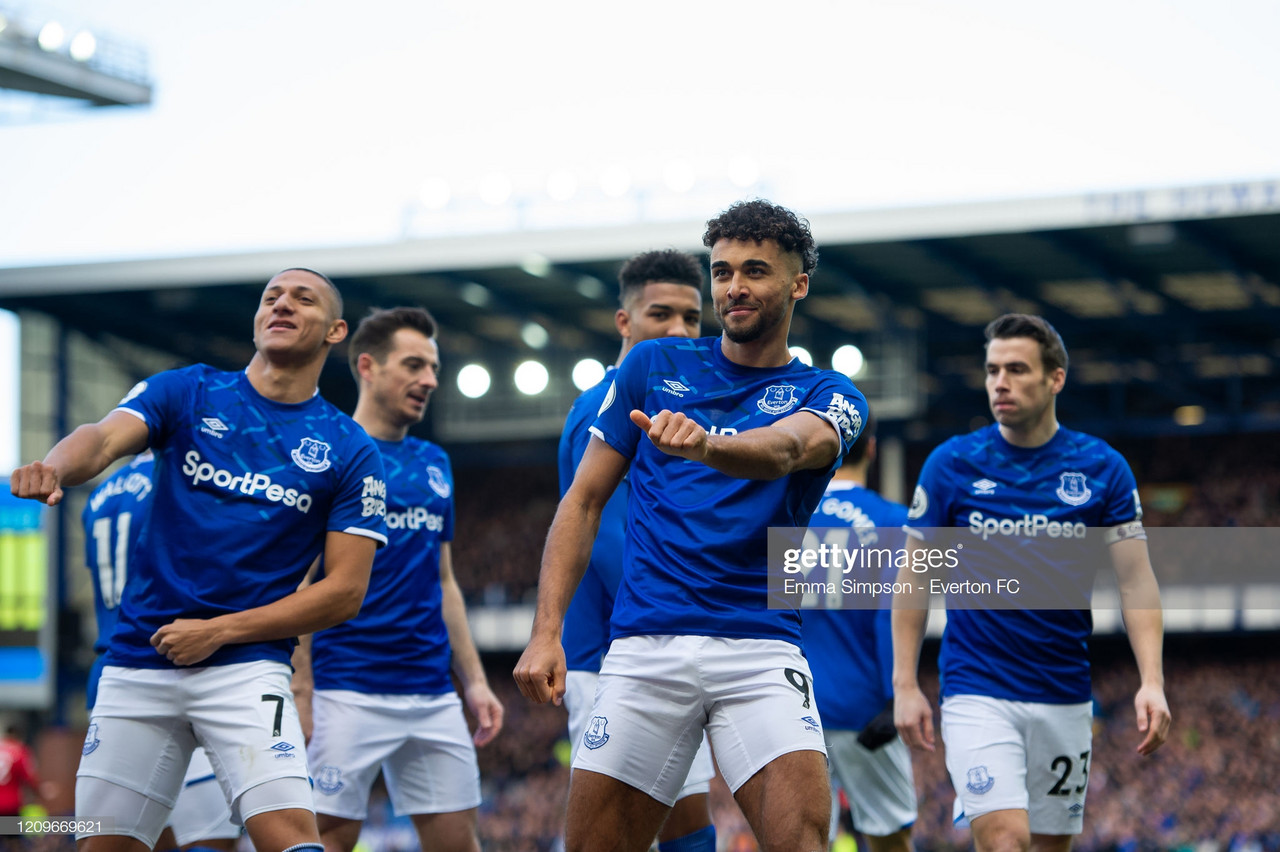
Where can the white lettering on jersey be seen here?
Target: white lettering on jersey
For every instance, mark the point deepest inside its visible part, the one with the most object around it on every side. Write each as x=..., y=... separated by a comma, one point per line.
x=246, y=482
x=136, y=484
x=846, y=417
x=1028, y=526
x=373, y=499
x=414, y=519
x=863, y=526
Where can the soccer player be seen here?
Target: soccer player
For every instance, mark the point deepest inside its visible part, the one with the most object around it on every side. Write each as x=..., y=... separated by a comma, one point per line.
x=112, y=518
x=660, y=295
x=256, y=476
x=851, y=654
x=724, y=436
x=383, y=696
x=1016, y=709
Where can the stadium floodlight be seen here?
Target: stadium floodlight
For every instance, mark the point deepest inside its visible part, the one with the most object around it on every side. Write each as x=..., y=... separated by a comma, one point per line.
x=476, y=295
x=590, y=287
x=803, y=354
x=473, y=381
x=848, y=359
x=587, y=373
x=537, y=265
x=83, y=46
x=52, y=37
x=531, y=378
x=534, y=335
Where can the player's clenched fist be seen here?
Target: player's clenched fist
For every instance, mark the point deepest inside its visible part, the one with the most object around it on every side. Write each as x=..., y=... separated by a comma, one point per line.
x=673, y=433
x=36, y=481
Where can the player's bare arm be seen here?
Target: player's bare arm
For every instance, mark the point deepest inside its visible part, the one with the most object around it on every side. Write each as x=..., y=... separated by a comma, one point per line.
x=803, y=441
x=329, y=601
x=912, y=711
x=1144, y=622
x=540, y=671
x=481, y=701
x=79, y=457
x=302, y=684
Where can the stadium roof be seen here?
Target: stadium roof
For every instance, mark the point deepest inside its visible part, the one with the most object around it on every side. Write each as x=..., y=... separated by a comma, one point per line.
x=1168, y=300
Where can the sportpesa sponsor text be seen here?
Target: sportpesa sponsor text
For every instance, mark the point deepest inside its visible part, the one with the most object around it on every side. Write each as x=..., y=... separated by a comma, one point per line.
x=253, y=484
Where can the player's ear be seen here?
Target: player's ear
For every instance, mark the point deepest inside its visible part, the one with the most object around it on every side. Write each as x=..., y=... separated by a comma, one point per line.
x=364, y=365
x=800, y=286
x=1058, y=379
x=337, y=332
x=622, y=322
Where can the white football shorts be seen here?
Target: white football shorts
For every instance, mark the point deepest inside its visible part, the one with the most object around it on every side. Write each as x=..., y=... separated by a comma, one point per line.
x=420, y=742
x=579, y=698
x=147, y=722
x=1019, y=755
x=658, y=694
x=878, y=784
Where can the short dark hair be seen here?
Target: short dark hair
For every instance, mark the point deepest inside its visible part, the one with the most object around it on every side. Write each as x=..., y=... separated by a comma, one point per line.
x=759, y=220
x=667, y=266
x=1053, y=353
x=337, y=294
x=375, y=331
x=858, y=451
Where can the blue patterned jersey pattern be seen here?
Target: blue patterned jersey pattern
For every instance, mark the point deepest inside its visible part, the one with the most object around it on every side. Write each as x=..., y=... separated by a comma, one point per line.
x=246, y=489
x=399, y=644
x=112, y=518
x=695, y=556
x=850, y=651
x=1025, y=499
x=586, y=623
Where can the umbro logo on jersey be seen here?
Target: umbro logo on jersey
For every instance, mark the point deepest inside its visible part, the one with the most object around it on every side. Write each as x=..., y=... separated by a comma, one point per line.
x=674, y=388
x=984, y=487
x=213, y=426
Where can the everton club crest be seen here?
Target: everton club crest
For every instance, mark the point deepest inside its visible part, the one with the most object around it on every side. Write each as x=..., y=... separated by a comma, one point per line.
x=1074, y=490
x=312, y=455
x=778, y=399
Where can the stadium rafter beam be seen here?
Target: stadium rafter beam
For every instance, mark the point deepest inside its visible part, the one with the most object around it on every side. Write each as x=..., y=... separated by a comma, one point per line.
x=26, y=67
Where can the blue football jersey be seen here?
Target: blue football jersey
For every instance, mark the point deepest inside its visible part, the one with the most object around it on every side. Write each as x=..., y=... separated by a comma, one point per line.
x=246, y=489
x=1028, y=500
x=850, y=651
x=112, y=518
x=399, y=643
x=695, y=556
x=586, y=624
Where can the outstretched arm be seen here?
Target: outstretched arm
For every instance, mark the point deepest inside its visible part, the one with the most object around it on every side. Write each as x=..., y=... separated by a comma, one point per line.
x=803, y=441
x=80, y=456
x=484, y=705
x=540, y=671
x=1144, y=622
x=329, y=601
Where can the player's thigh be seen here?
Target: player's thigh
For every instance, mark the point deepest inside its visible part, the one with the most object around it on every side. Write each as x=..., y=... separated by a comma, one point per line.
x=244, y=716
x=138, y=737
x=1059, y=756
x=986, y=754
x=435, y=770
x=447, y=832
x=878, y=784
x=648, y=717
x=788, y=803
x=761, y=705
x=350, y=739
x=201, y=812
x=579, y=698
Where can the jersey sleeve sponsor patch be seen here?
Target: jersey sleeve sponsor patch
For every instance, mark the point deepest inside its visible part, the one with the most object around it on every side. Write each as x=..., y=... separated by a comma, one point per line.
x=919, y=504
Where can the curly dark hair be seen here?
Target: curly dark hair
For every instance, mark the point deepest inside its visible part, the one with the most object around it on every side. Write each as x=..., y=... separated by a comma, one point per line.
x=664, y=265
x=1053, y=352
x=760, y=220
x=375, y=331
